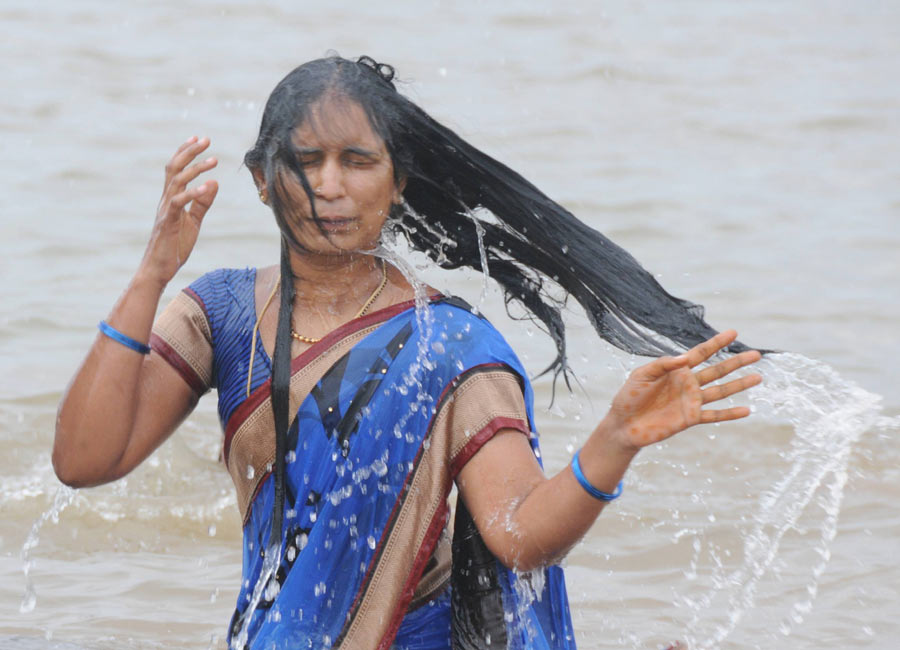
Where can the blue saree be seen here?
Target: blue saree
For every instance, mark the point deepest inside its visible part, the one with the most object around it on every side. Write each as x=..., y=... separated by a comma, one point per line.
x=387, y=413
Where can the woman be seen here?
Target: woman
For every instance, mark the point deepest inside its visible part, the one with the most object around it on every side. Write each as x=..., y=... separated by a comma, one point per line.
x=380, y=399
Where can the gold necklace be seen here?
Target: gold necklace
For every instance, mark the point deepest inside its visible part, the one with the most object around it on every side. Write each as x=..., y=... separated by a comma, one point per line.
x=368, y=303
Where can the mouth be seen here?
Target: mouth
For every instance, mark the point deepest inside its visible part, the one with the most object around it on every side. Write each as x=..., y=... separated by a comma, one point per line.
x=336, y=223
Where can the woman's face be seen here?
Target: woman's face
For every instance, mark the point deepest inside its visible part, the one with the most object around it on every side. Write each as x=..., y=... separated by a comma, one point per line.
x=351, y=175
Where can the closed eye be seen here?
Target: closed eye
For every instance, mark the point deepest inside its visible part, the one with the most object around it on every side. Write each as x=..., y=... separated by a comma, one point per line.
x=360, y=157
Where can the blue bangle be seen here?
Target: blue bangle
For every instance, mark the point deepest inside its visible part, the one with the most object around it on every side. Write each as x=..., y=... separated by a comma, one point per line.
x=590, y=489
x=125, y=340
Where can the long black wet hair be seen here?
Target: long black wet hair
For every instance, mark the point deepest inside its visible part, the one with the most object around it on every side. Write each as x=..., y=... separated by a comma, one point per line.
x=463, y=208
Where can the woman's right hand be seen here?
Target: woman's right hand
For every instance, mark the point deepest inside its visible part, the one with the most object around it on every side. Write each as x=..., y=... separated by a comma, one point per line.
x=180, y=212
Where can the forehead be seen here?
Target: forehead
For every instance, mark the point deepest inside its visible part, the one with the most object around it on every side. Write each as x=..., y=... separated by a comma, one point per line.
x=336, y=122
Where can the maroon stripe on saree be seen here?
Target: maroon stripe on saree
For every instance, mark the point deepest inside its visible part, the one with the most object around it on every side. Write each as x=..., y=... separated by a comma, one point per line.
x=182, y=367
x=425, y=549
x=453, y=459
x=485, y=434
x=435, y=528
x=264, y=391
x=196, y=298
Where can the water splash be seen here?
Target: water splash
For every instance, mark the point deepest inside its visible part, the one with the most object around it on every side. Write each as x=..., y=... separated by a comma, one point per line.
x=828, y=414
x=482, y=252
x=64, y=496
x=265, y=584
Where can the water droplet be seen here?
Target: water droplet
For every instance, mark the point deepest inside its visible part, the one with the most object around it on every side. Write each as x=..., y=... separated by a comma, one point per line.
x=379, y=467
x=290, y=457
x=565, y=250
x=211, y=530
x=28, y=602
x=371, y=542
x=250, y=472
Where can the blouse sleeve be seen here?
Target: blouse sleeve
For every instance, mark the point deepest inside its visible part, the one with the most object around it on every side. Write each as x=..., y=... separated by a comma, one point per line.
x=182, y=336
x=484, y=401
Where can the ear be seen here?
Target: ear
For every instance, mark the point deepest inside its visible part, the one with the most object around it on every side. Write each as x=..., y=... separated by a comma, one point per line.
x=399, y=186
x=259, y=178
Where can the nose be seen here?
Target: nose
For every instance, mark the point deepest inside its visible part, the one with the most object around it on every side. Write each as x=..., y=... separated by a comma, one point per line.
x=328, y=183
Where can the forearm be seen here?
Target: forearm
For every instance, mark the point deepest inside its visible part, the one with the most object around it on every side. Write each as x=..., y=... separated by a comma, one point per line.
x=529, y=521
x=558, y=511
x=97, y=413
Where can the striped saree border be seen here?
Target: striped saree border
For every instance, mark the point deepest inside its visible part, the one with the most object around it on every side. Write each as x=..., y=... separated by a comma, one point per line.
x=472, y=409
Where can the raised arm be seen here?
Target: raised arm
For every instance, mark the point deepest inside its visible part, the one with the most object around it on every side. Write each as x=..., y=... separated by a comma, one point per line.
x=528, y=520
x=122, y=403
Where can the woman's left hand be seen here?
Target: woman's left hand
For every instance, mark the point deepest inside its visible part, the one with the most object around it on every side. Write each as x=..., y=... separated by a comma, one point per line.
x=666, y=396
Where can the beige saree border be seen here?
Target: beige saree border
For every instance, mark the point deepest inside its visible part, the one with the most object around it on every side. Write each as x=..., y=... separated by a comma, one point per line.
x=488, y=399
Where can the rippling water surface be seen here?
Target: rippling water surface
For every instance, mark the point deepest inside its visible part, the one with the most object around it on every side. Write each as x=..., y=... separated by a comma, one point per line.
x=744, y=152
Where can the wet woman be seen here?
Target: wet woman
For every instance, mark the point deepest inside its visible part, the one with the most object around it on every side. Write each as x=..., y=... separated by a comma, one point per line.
x=353, y=399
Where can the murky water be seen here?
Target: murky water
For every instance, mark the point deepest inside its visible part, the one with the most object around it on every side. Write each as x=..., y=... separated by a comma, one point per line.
x=745, y=152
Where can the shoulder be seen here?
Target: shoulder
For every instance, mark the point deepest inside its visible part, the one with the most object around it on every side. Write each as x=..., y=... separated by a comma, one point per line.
x=458, y=319
x=221, y=287
x=468, y=339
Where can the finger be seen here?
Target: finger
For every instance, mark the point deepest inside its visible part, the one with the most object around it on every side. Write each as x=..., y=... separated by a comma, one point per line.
x=727, y=366
x=181, y=180
x=659, y=367
x=184, y=155
x=187, y=143
x=700, y=353
x=722, y=415
x=204, y=200
x=180, y=200
x=721, y=391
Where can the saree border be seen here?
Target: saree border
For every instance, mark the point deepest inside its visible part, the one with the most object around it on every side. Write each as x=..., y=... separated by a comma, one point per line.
x=258, y=397
x=456, y=455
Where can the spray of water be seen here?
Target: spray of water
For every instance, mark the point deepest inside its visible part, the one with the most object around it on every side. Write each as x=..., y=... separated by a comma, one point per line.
x=264, y=585
x=64, y=496
x=828, y=415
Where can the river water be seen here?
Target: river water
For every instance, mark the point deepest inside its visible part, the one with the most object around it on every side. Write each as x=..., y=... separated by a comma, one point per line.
x=744, y=152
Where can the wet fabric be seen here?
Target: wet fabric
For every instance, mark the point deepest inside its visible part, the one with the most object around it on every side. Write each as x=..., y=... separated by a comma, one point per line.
x=378, y=437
